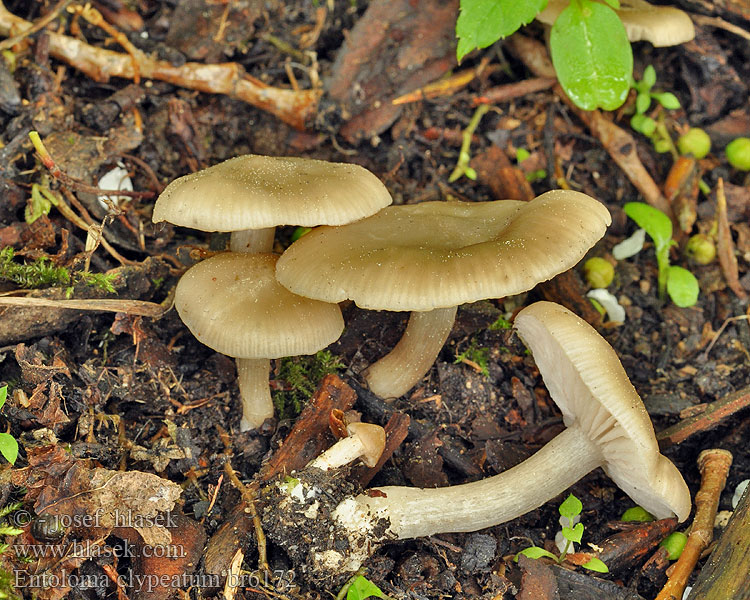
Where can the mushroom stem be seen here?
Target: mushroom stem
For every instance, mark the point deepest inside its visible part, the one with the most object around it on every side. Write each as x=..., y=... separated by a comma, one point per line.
x=257, y=406
x=343, y=452
x=252, y=240
x=399, y=370
x=416, y=512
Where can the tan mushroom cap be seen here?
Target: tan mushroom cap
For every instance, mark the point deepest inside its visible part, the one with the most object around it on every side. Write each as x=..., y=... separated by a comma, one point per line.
x=255, y=192
x=442, y=254
x=587, y=381
x=372, y=438
x=660, y=25
x=232, y=303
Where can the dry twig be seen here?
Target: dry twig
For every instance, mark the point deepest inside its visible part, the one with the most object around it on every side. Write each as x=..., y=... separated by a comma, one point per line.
x=714, y=466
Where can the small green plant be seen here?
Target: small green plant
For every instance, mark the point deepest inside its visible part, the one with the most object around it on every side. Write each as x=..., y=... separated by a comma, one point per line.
x=361, y=588
x=42, y=273
x=500, y=323
x=572, y=533
x=694, y=141
x=738, y=153
x=637, y=514
x=599, y=272
x=475, y=356
x=8, y=444
x=679, y=283
x=521, y=155
x=588, y=43
x=641, y=122
x=297, y=379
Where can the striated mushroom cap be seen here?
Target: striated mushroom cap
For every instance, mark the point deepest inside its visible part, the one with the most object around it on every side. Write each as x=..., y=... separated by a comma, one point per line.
x=232, y=303
x=256, y=192
x=588, y=383
x=442, y=254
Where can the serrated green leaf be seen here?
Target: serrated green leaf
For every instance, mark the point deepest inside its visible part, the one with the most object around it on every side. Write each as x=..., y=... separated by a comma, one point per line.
x=667, y=100
x=8, y=447
x=642, y=102
x=536, y=552
x=682, y=287
x=592, y=55
x=482, y=22
x=649, y=77
x=362, y=588
x=655, y=222
x=596, y=565
x=570, y=507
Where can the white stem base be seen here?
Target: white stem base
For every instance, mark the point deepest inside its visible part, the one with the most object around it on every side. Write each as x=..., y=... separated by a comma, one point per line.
x=343, y=452
x=257, y=406
x=400, y=370
x=415, y=512
x=252, y=240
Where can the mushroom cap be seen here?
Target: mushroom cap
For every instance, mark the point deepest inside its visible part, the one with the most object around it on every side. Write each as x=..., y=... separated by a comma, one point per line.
x=372, y=438
x=441, y=254
x=232, y=303
x=588, y=383
x=660, y=25
x=255, y=192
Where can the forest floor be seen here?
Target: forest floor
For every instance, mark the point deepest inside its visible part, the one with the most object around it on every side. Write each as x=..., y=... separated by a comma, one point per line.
x=101, y=400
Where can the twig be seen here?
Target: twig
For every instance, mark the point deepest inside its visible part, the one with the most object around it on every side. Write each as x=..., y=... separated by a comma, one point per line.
x=139, y=308
x=720, y=23
x=714, y=466
x=297, y=109
x=33, y=28
x=510, y=91
x=443, y=87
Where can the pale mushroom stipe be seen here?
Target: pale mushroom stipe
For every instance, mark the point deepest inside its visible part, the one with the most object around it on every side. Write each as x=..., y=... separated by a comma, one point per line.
x=428, y=258
x=607, y=426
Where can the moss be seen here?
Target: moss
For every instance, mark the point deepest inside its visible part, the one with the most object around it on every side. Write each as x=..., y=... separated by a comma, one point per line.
x=298, y=378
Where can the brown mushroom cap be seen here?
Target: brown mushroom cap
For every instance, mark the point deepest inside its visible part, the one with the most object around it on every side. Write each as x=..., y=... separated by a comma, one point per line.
x=660, y=25
x=372, y=438
x=255, y=192
x=442, y=254
x=232, y=303
x=587, y=381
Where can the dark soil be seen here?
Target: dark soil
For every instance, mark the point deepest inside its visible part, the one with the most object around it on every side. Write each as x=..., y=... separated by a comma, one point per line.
x=126, y=392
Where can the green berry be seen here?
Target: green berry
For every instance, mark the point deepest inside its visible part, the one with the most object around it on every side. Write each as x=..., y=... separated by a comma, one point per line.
x=695, y=142
x=599, y=272
x=637, y=514
x=738, y=153
x=674, y=544
x=701, y=249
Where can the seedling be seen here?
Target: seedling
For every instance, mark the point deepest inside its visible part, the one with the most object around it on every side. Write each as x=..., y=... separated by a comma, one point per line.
x=8, y=444
x=570, y=511
x=738, y=153
x=641, y=122
x=679, y=283
x=521, y=155
x=694, y=141
x=361, y=588
x=674, y=544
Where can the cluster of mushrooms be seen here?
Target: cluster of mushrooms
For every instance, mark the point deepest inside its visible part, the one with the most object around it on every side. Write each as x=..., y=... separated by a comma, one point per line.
x=426, y=258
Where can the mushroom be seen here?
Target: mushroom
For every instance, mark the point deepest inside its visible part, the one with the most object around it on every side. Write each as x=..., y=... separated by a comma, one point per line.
x=430, y=257
x=232, y=303
x=607, y=426
x=250, y=195
x=660, y=25
x=365, y=441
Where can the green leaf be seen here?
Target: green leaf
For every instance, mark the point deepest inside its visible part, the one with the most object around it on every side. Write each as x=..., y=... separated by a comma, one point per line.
x=613, y=3
x=8, y=447
x=592, y=55
x=655, y=222
x=536, y=552
x=39, y=206
x=667, y=100
x=642, y=102
x=637, y=514
x=649, y=77
x=596, y=565
x=575, y=534
x=643, y=124
x=482, y=22
x=682, y=286
x=570, y=507
x=3, y=395
x=362, y=588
